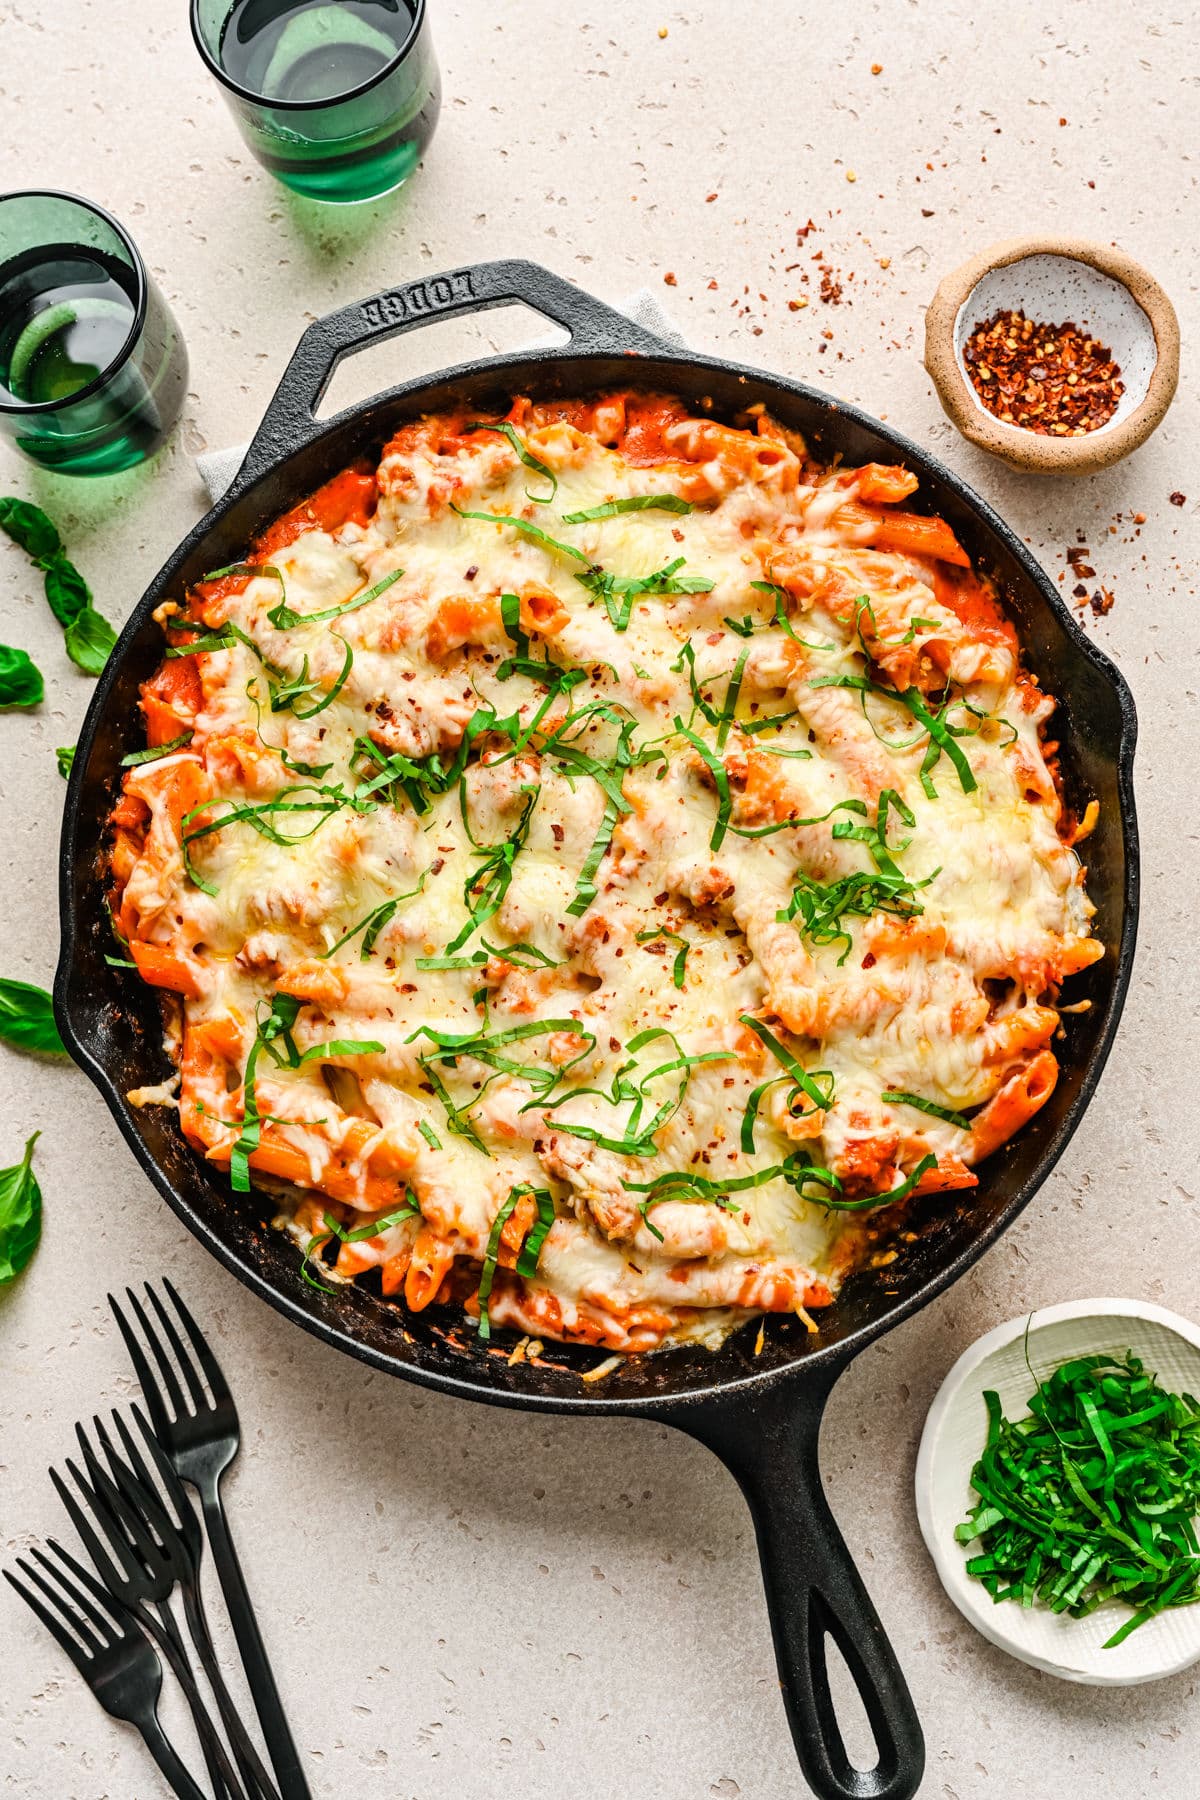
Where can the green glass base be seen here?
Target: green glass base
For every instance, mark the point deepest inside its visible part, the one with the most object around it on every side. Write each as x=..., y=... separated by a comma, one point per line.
x=352, y=182
x=101, y=459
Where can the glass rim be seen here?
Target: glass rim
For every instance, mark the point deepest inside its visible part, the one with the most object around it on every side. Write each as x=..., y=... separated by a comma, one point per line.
x=24, y=409
x=418, y=8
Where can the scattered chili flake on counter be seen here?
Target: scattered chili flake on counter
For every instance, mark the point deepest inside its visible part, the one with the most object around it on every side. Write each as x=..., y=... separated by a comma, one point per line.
x=1052, y=379
x=1177, y=499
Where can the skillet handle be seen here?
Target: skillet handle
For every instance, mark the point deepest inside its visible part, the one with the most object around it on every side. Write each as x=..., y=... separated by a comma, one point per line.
x=814, y=1590
x=289, y=419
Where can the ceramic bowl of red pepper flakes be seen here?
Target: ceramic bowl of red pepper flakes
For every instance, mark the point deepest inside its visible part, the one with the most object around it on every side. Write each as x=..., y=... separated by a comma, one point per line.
x=1056, y=354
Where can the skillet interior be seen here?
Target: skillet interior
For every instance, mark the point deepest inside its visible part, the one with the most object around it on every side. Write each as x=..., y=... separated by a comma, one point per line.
x=111, y=1022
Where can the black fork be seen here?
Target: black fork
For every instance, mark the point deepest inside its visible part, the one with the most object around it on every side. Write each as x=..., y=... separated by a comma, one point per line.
x=200, y=1441
x=110, y=1652
x=132, y=1569
x=177, y=1546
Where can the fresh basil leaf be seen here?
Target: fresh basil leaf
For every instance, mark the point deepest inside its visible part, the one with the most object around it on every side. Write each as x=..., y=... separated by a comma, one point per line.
x=90, y=640
x=28, y=526
x=27, y=1018
x=21, y=681
x=20, y=1214
x=65, y=758
x=157, y=751
x=66, y=590
x=673, y=503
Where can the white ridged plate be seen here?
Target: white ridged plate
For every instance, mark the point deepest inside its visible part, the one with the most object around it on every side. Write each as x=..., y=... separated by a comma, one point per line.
x=953, y=1438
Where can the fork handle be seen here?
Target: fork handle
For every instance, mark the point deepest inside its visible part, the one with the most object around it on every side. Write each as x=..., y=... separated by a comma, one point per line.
x=165, y=1633
x=258, y=1783
x=164, y=1754
x=261, y=1681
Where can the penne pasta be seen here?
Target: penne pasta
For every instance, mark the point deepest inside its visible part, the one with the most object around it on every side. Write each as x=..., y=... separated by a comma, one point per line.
x=599, y=857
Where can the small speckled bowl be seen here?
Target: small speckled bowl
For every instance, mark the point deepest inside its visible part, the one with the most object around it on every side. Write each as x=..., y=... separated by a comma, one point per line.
x=1052, y=280
x=953, y=1438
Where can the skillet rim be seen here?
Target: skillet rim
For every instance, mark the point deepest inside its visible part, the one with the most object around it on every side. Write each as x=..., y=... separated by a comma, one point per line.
x=824, y=1363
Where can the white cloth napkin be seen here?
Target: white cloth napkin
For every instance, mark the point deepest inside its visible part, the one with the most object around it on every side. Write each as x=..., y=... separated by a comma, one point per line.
x=217, y=468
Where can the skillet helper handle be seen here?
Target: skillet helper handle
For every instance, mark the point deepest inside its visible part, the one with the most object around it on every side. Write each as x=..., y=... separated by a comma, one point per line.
x=289, y=420
x=814, y=1591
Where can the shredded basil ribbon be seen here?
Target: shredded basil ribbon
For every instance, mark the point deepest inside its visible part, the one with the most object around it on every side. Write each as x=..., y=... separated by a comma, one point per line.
x=818, y=1092
x=408, y=1209
x=526, y=529
x=941, y=735
x=673, y=503
x=619, y=592
x=274, y=1035
x=1093, y=1496
x=283, y=618
x=526, y=456
x=928, y=1106
x=660, y=933
x=158, y=751
x=638, y=1136
x=531, y=1249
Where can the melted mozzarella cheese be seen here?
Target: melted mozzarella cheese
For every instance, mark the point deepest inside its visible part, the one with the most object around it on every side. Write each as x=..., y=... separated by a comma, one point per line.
x=613, y=878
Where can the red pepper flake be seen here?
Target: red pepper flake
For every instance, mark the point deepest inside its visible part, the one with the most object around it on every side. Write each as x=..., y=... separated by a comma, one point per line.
x=670, y=280
x=1177, y=499
x=709, y=198
x=1052, y=379
x=1102, y=602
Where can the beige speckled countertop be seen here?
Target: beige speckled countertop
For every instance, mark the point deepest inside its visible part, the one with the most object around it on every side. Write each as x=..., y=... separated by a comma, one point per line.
x=465, y=1603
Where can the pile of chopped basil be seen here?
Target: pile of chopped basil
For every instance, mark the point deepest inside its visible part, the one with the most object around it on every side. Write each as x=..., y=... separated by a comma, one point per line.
x=1092, y=1497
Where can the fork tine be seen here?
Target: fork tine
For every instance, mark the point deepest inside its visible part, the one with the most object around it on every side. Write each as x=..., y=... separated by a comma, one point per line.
x=208, y=1362
x=141, y=1369
x=104, y=1626
x=166, y=1371
x=139, y=1496
x=92, y=1583
x=135, y=1462
x=92, y=1644
x=182, y=1356
x=112, y=1517
x=62, y=1637
x=79, y=1519
x=163, y=1466
x=123, y=1514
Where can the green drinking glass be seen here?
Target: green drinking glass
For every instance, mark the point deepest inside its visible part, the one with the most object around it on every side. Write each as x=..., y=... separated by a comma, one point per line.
x=93, y=370
x=337, y=98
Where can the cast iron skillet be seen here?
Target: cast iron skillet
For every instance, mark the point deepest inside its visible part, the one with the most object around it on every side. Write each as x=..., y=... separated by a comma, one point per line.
x=760, y=1413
